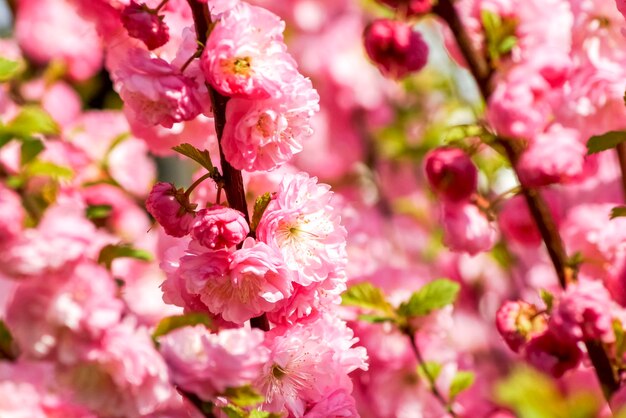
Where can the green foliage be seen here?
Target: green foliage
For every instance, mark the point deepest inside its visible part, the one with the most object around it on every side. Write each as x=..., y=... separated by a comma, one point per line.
x=170, y=323
x=48, y=169
x=499, y=35
x=429, y=370
x=32, y=120
x=548, y=299
x=461, y=381
x=434, y=295
x=98, y=211
x=202, y=157
x=367, y=296
x=620, y=340
x=30, y=150
x=259, y=207
x=605, y=141
x=243, y=396
x=9, y=69
x=113, y=251
x=531, y=394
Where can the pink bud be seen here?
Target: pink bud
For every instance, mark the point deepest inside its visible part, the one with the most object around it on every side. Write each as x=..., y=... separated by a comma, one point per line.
x=552, y=355
x=451, y=173
x=171, y=209
x=395, y=47
x=467, y=229
x=517, y=322
x=410, y=7
x=220, y=227
x=145, y=24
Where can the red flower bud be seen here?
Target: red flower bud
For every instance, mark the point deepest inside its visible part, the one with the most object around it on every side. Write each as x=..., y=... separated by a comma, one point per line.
x=145, y=24
x=451, y=173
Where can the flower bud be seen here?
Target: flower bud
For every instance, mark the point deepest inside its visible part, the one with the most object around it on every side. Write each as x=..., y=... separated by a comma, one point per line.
x=467, y=229
x=410, y=7
x=220, y=227
x=395, y=47
x=171, y=209
x=517, y=322
x=451, y=173
x=552, y=355
x=145, y=24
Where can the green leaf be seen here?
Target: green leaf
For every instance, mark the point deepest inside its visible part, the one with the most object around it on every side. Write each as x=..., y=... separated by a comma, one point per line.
x=98, y=211
x=170, y=323
x=113, y=251
x=48, y=169
x=202, y=157
x=432, y=296
x=429, y=370
x=30, y=149
x=243, y=396
x=620, y=339
x=605, y=141
x=259, y=207
x=232, y=411
x=548, y=299
x=617, y=212
x=367, y=296
x=462, y=380
x=32, y=120
x=6, y=342
x=263, y=414
x=9, y=69
x=507, y=44
x=375, y=319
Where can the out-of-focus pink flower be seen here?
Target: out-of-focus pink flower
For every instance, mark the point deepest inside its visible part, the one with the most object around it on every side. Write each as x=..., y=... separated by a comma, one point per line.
x=11, y=215
x=301, y=223
x=154, y=92
x=395, y=47
x=410, y=7
x=336, y=404
x=467, y=229
x=307, y=363
x=219, y=227
x=451, y=173
x=263, y=134
x=245, y=55
x=171, y=209
x=551, y=354
x=239, y=285
x=518, y=322
x=207, y=364
x=555, y=156
x=52, y=30
x=583, y=313
x=145, y=24
x=48, y=316
x=517, y=224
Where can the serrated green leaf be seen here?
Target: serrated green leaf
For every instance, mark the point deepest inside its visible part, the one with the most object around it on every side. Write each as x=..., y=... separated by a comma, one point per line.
x=548, y=299
x=113, y=251
x=434, y=295
x=9, y=69
x=617, y=212
x=367, y=296
x=98, y=211
x=605, y=141
x=429, y=370
x=48, y=169
x=32, y=120
x=30, y=149
x=259, y=208
x=170, y=323
x=243, y=396
x=461, y=381
x=202, y=157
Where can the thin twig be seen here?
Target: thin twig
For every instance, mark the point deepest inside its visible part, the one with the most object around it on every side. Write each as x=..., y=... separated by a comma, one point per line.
x=621, y=155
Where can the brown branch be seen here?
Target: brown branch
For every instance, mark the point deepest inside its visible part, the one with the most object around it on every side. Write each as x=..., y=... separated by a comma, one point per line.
x=538, y=208
x=233, y=181
x=621, y=155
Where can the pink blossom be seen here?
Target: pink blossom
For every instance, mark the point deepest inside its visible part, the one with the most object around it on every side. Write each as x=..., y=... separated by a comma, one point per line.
x=335, y=405
x=219, y=227
x=62, y=309
x=583, y=313
x=410, y=7
x=552, y=354
x=555, y=156
x=263, y=134
x=131, y=167
x=239, y=285
x=155, y=92
x=245, y=55
x=301, y=223
x=207, y=364
x=171, y=208
x=395, y=47
x=307, y=363
x=466, y=229
x=145, y=24
x=53, y=30
x=11, y=215
x=518, y=322
x=517, y=223
x=451, y=173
